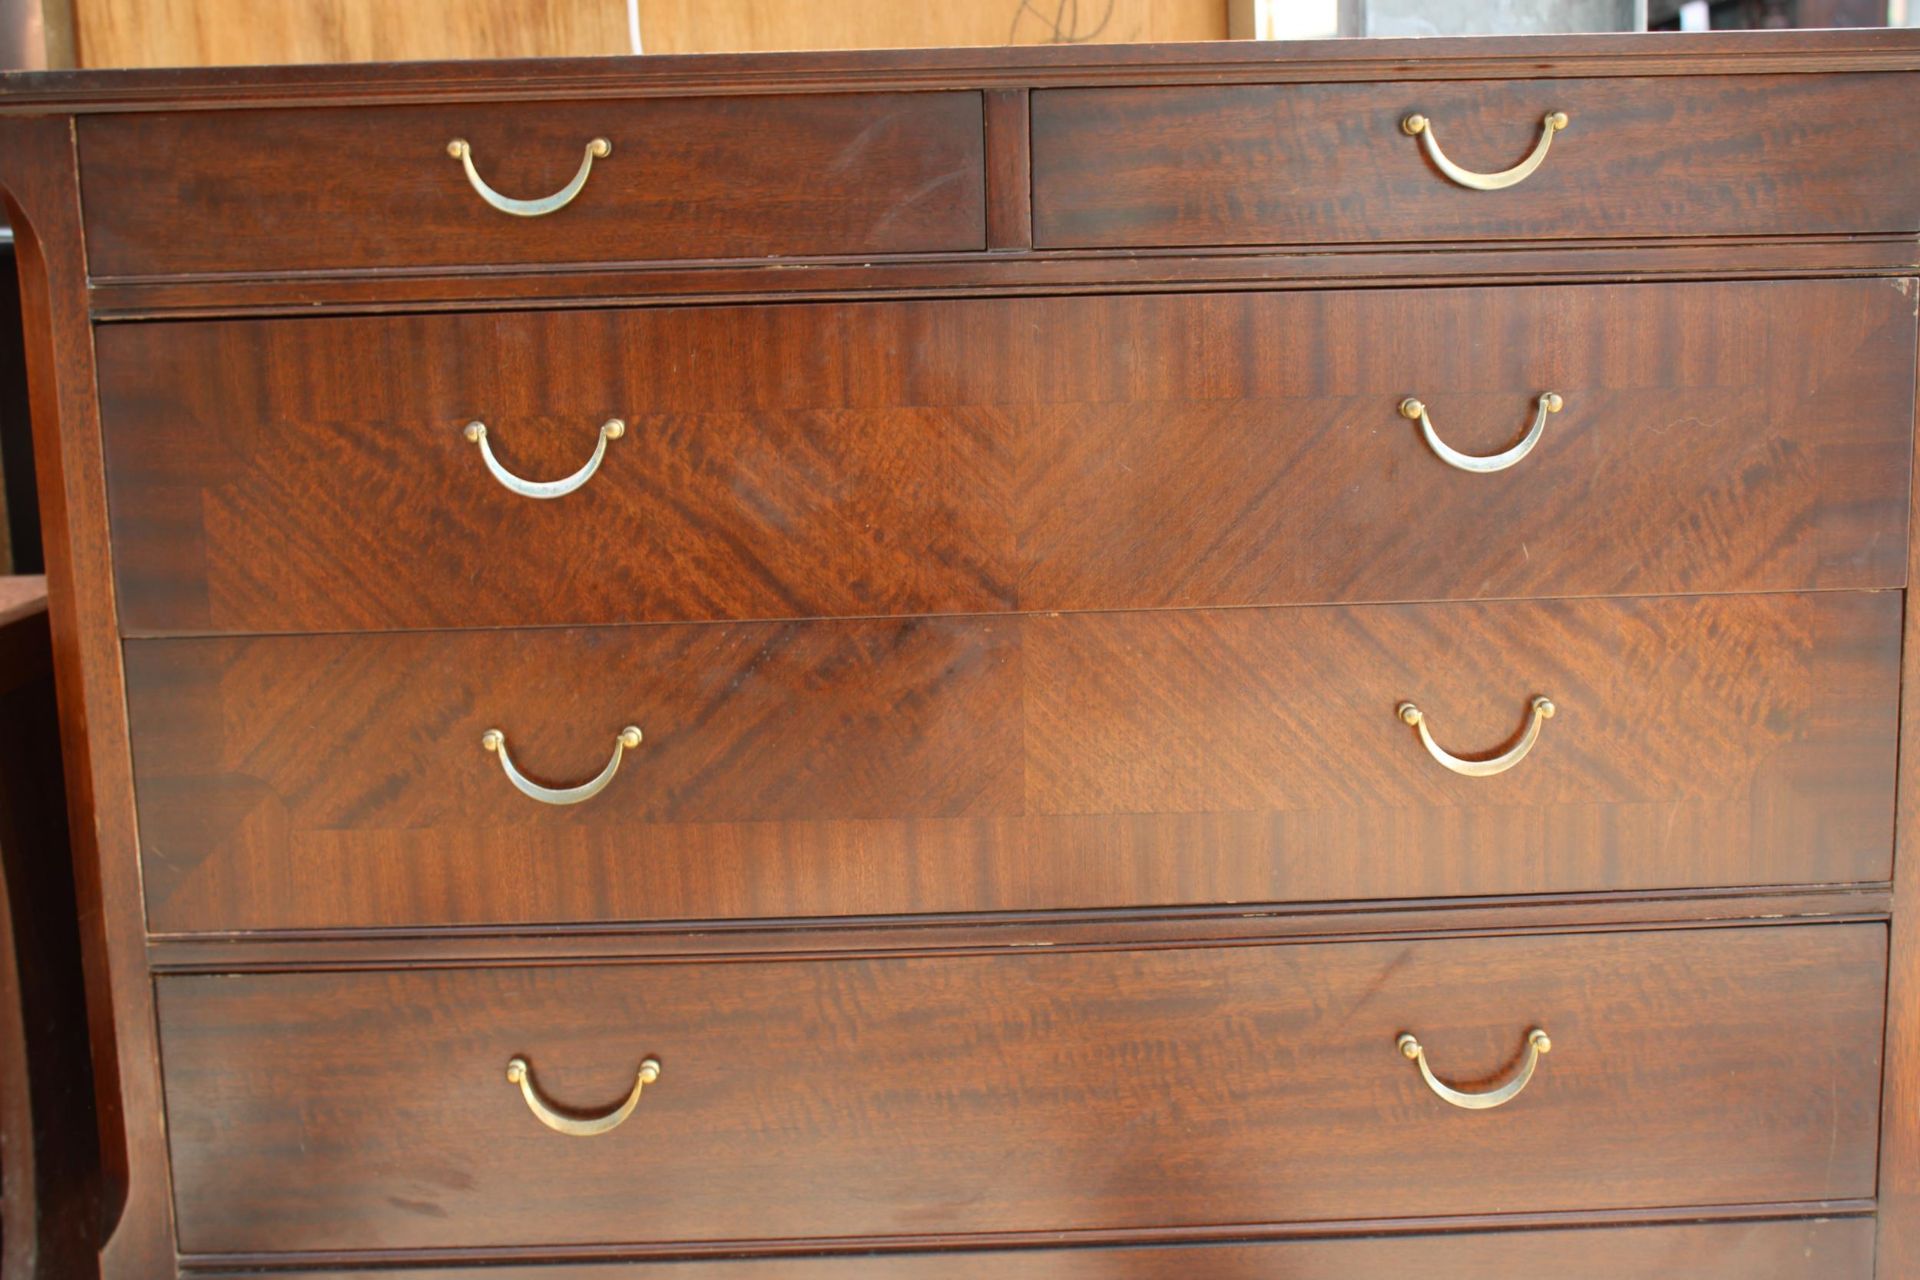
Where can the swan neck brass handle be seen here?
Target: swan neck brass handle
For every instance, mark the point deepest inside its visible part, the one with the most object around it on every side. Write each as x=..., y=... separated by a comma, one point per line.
x=1422, y=128
x=496, y=742
x=611, y=429
x=598, y=149
x=1541, y=711
x=1549, y=402
x=569, y=1123
x=1537, y=1046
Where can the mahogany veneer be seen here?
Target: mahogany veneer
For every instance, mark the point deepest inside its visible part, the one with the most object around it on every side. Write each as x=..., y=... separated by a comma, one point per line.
x=726, y=177
x=1021, y=1093
x=981, y=764
x=1015, y=558
x=1029, y=454
x=1261, y=164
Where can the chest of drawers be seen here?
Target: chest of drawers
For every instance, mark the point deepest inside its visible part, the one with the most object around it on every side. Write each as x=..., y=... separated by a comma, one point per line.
x=1260, y=660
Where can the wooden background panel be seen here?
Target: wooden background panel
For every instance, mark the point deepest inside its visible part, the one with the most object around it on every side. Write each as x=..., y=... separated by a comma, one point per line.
x=1029, y=1092
x=164, y=33
x=1065, y=453
x=991, y=764
x=1794, y=1249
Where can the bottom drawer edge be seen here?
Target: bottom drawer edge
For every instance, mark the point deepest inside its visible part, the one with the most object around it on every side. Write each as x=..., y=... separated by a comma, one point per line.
x=1817, y=1248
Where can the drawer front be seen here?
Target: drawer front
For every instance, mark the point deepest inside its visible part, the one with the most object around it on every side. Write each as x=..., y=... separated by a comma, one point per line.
x=1271, y=164
x=1027, y=1092
x=1794, y=1249
x=993, y=764
x=986, y=456
x=704, y=177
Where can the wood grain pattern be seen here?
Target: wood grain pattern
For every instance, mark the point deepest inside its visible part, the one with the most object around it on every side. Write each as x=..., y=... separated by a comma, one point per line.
x=688, y=178
x=39, y=179
x=1023, y=1093
x=190, y=33
x=1270, y=165
x=198, y=33
x=1010, y=454
x=981, y=764
x=704, y=26
x=1794, y=1249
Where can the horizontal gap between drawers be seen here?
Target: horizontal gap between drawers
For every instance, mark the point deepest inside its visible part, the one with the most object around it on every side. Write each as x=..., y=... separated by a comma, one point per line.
x=1229, y=1233
x=1002, y=272
x=1015, y=933
x=1010, y=615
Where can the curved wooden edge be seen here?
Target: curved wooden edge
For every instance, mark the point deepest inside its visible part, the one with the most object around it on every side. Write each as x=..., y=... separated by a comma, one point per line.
x=40, y=182
x=1898, y=1254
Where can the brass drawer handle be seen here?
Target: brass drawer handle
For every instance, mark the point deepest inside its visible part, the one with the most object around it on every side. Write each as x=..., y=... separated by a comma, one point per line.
x=1420, y=127
x=611, y=429
x=1549, y=402
x=577, y=1126
x=496, y=742
x=1537, y=1045
x=1542, y=711
x=599, y=148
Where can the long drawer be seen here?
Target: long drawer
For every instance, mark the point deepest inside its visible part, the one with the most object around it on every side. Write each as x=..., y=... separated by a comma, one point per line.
x=1791, y=1249
x=996, y=455
x=1023, y=1092
x=995, y=764
x=1265, y=164
x=688, y=178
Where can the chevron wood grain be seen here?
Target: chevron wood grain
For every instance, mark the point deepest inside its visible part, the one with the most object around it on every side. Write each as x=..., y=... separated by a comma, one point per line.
x=904, y=458
x=992, y=764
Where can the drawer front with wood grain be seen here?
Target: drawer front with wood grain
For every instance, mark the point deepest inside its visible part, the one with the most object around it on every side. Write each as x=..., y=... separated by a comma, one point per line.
x=1023, y=1092
x=1335, y=163
x=1011, y=454
x=994, y=764
x=688, y=178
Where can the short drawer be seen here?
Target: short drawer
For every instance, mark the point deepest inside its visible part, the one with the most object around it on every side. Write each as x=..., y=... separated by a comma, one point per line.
x=992, y=764
x=1024, y=1092
x=1784, y=1249
x=1334, y=163
x=701, y=177
x=1012, y=454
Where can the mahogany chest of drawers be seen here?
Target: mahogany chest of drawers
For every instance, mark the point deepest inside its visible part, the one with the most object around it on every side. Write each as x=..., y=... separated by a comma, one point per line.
x=1247, y=660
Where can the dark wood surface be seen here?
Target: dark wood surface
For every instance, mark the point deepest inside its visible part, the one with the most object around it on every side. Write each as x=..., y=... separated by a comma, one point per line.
x=983, y=764
x=1009, y=454
x=49, y=1156
x=39, y=181
x=1764, y=458
x=1023, y=1093
x=1794, y=1249
x=687, y=178
x=1472, y=58
x=1250, y=164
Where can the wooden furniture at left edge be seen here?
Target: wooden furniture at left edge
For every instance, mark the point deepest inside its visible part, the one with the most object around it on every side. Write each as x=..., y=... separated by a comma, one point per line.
x=330, y=936
x=49, y=1210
